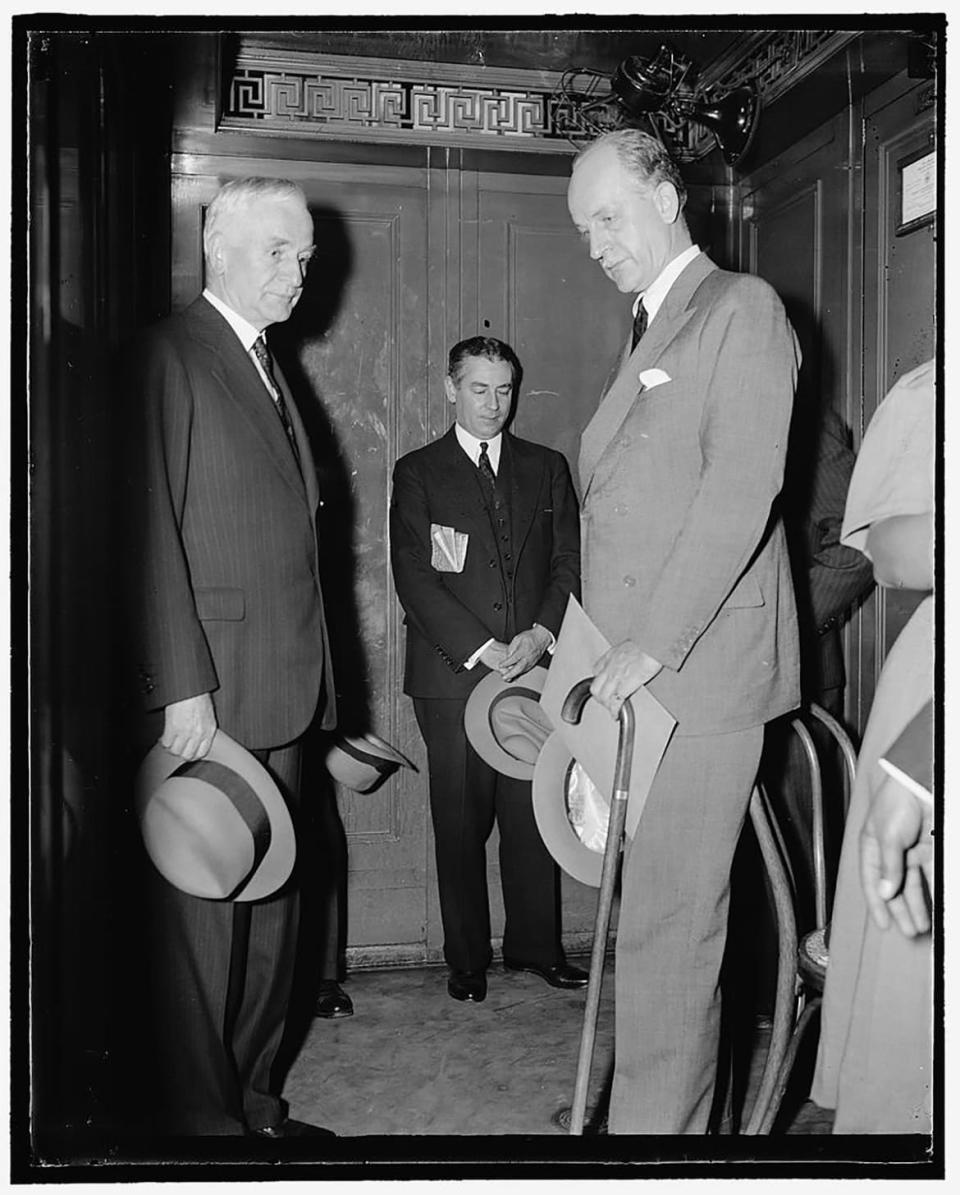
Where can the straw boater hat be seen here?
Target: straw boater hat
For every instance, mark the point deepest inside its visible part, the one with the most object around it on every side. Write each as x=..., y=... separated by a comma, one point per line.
x=506, y=724
x=217, y=827
x=363, y=762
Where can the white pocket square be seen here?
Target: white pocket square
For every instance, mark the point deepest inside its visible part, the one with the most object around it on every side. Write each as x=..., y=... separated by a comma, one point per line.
x=653, y=377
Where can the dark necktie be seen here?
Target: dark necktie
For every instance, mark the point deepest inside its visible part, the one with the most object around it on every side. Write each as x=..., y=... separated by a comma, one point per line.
x=639, y=325
x=262, y=354
x=484, y=464
x=488, y=475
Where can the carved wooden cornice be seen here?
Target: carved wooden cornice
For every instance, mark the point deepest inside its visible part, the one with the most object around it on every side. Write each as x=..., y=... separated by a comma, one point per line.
x=302, y=93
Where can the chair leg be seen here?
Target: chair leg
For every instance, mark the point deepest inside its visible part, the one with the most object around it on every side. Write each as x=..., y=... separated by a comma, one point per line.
x=786, y=1068
x=784, y=1006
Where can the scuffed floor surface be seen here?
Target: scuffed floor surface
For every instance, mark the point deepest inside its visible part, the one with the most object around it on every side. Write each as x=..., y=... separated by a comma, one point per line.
x=413, y=1061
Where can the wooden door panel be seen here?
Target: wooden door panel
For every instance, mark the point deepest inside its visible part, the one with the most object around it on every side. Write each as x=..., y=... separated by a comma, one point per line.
x=900, y=310
x=537, y=288
x=360, y=339
x=800, y=228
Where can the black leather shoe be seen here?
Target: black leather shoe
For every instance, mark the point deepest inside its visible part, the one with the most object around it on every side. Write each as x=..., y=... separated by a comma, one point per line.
x=290, y=1128
x=468, y=985
x=332, y=1001
x=560, y=975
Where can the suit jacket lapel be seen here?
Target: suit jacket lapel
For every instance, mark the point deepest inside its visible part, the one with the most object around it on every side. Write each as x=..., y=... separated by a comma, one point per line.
x=237, y=374
x=618, y=401
x=459, y=476
x=307, y=467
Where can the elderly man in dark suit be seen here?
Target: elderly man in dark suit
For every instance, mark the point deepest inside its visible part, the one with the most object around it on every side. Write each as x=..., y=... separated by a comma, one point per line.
x=230, y=633
x=686, y=573
x=485, y=546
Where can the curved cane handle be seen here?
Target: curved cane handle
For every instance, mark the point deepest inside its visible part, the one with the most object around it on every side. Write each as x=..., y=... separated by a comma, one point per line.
x=572, y=711
x=575, y=700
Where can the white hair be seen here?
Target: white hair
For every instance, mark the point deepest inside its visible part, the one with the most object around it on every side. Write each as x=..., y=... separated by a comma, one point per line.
x=240, y=193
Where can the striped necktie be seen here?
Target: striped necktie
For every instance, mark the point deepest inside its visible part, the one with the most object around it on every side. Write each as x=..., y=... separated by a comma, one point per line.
x=262, y=354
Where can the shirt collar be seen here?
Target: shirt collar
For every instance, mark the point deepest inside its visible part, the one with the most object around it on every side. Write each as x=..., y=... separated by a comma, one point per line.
x=471, y=446
x=652, y=298
x=246, y=332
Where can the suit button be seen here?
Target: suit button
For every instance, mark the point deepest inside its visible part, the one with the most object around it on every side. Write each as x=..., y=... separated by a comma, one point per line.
x=498, y=605
x=507, y=556
x=629, y=581
x=493, y=564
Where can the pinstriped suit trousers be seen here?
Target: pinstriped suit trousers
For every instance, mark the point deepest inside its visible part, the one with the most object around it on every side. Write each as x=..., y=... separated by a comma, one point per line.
x=672, y=931
x=221, y=975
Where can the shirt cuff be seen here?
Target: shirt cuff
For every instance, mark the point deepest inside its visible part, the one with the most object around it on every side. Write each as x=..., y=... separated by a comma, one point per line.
x=551, y=646
x=475, y=658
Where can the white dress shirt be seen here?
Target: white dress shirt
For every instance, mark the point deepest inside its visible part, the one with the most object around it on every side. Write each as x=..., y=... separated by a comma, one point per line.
x=652, y=298
x=471, y=446
x=247, y=334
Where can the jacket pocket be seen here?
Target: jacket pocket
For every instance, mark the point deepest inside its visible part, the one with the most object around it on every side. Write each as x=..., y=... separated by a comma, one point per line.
x=744, y=594
x=220, y=604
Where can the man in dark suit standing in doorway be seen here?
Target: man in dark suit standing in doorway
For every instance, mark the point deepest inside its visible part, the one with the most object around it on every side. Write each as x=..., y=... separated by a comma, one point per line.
x=485, y=547
x=230, y=633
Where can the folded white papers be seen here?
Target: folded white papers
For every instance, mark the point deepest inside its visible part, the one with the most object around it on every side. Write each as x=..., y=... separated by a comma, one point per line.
x=449, y=548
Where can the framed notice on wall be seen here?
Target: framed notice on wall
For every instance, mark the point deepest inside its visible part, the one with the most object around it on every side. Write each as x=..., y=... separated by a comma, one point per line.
x=917, y=179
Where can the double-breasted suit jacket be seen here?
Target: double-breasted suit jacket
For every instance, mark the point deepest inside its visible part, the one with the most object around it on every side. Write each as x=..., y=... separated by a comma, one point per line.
x=683, y=551
x=450, y=614
x=229, y=595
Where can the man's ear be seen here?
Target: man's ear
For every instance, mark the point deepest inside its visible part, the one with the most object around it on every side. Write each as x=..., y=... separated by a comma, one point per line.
x=215, y=253
x=667, y=202
x=449, y=389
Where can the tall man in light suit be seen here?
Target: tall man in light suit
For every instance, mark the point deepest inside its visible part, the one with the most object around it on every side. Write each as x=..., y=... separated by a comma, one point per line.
x=230, y=633
x=686, y=573
x=485, y=545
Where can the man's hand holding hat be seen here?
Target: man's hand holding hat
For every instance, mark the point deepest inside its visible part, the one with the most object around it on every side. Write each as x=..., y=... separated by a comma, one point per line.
x=189, y=727
x=523, y=651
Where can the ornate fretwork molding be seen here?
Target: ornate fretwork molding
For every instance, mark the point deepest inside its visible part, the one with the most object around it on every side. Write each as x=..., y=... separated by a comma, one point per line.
x=388, y=100
x=301, y=93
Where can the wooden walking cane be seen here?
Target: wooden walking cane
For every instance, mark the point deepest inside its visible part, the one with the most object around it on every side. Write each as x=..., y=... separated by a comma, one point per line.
x=576, y=699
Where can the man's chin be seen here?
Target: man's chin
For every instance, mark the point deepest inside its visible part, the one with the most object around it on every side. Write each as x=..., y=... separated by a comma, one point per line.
x=282, y=309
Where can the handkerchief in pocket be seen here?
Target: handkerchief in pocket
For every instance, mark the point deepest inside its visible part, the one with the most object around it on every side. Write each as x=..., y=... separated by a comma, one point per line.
x=653, y=377
x=449, y=548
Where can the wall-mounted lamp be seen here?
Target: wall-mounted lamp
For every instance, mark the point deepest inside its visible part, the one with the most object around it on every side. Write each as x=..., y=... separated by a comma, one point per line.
x=641, y=89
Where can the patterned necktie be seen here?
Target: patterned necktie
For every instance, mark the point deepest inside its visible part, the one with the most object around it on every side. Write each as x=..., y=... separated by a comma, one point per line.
x=488, y=475
x=484, y=464
x=262, y=354
x=639, y=325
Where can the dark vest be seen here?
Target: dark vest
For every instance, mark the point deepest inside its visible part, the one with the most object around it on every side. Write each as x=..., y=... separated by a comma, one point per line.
x=497, y=503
